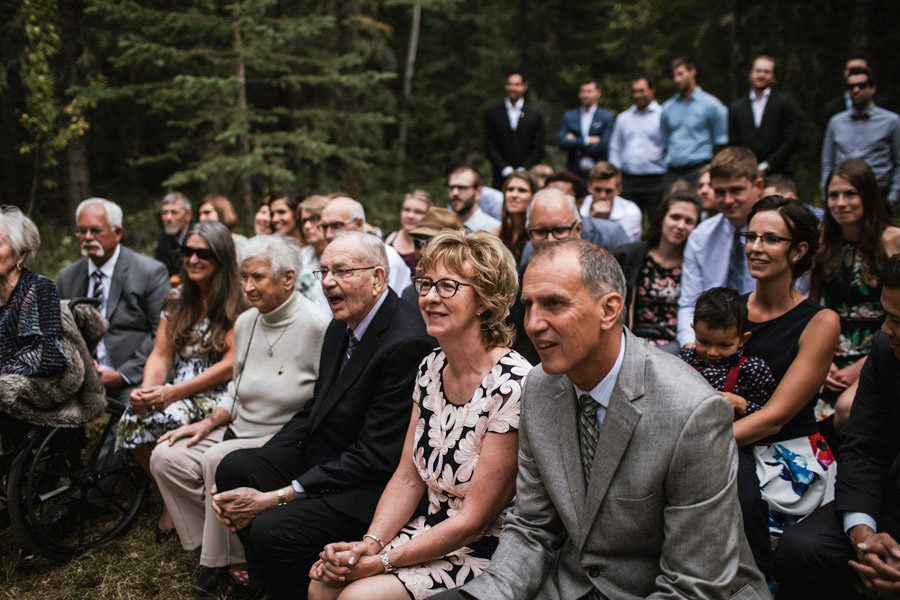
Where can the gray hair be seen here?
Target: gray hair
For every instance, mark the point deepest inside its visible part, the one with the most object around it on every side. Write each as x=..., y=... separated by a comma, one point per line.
x=351, y=207
x=600, y=271
x=369, y=247
x=177, y=198
x=547, y=194
x=113, y=210
x=20, y=232
x=283, y=253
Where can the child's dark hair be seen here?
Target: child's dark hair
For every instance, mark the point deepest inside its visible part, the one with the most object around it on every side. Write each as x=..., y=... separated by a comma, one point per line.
x=721, y=308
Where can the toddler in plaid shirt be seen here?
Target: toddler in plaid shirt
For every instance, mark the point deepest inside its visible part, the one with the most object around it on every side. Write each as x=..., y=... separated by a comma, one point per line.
x=719, y=319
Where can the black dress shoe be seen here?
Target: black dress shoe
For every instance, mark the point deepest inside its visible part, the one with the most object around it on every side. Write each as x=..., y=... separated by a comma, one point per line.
x=209, y=582
x=164, y=535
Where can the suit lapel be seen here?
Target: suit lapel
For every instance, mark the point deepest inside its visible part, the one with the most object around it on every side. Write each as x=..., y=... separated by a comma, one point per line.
x=341, y=381
x=767, y=110
x=120, y=275
x=567, y=434
x=81, y=278
x=619, y=424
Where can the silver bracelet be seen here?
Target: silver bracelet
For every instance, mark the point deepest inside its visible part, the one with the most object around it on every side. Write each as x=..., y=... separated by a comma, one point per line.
x=386, y=563
x=375, y=539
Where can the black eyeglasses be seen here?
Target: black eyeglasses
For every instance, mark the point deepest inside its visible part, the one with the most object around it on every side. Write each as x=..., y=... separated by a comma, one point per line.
x=768, y=239
x=861, y=85
x=461, y=188
x=335, y=224
x=338, y=272
x=420, y=241
x=202, y=253
x=559, y=232
x=446, y=288
x=94, y=231
x=311, y=219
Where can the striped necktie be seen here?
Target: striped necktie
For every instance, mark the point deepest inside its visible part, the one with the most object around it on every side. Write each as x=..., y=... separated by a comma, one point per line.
x=736, y=260
x=99, y=291
x=351, y=346
x=588, y=431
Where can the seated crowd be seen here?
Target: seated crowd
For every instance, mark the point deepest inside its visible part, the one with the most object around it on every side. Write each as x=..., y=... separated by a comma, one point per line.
x=546, y=390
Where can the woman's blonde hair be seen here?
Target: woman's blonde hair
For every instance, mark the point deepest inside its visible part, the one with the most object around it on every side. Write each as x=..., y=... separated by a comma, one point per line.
x=489, y=265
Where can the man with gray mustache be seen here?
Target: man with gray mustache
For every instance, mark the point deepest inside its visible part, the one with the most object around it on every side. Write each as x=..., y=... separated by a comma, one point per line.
x=130, y=287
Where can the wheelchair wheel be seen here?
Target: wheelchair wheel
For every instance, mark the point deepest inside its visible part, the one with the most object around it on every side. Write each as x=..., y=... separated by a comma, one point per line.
x=69, y=490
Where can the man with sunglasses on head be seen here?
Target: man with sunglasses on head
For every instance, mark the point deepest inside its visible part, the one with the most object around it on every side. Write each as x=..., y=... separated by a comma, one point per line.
x=320, y=477
x=130, y=288
x=865, y=131
x=346, y=214
x=435, y=220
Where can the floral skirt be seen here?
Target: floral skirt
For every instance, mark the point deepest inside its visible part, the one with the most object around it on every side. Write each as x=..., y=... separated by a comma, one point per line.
x=795, y=477
x=448, y=572
x=137, y=429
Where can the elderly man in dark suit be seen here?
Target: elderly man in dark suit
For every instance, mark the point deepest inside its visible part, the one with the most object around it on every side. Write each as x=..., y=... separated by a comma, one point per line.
x=131, y=289
x=766, y=120
x=320, y=477
x=853, y=540
x=627, y=484
x=513, y=131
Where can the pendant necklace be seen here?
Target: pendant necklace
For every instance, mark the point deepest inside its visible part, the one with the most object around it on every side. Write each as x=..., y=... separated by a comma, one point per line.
x=270, y=349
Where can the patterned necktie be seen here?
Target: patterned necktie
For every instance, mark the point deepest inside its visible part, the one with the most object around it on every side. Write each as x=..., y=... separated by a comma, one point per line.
x=588, y=431
x=351, y=346
x=736, y=264
x=98, y=289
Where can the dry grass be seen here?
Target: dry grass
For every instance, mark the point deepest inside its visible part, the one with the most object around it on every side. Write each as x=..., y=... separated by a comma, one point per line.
x=132, y=566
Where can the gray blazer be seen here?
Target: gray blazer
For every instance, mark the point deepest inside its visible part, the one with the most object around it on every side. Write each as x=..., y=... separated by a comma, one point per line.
x=138, y=289
x=660, y=515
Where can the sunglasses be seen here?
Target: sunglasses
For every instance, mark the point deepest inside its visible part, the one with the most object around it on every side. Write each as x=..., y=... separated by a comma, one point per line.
x=420, y=241
x=202, y=253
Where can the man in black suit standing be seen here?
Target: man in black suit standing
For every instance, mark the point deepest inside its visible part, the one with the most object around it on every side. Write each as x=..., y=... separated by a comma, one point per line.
x=320, y=477
x=857, y=533
x=513, y=131
x=766, y=120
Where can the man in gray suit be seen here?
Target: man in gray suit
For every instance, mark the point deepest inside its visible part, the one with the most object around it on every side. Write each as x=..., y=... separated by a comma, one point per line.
x=131, y=289
x=627, y=462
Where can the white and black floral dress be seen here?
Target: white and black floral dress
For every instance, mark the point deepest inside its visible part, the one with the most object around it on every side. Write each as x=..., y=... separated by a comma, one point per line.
x=447, y=444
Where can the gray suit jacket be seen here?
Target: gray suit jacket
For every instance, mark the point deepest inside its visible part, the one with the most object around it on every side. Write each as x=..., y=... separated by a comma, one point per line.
x=660, y=515
x=138, y=289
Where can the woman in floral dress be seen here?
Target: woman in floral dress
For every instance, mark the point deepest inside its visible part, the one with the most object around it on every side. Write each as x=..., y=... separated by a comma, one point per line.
x=462, y=442
x=652, y=269
x=194, y=341
x=856, y=240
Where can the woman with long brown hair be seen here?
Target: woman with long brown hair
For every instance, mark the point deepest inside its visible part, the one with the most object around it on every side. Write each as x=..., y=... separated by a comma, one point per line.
x=857, y=239
x=194, y=341
x=518, y=189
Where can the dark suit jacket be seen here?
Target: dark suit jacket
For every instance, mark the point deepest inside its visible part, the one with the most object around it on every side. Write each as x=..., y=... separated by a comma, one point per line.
x=504, y=147
x=168, y=250
x=778, y=133
x=136, y=294
x=601, y=124
x=870, y=443
x=352, y=430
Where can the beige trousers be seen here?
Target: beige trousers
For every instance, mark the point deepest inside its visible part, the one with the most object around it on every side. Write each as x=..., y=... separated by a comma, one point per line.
x=184, y=476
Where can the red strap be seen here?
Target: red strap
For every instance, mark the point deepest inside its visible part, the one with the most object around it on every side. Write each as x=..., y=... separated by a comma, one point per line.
x=733, y=373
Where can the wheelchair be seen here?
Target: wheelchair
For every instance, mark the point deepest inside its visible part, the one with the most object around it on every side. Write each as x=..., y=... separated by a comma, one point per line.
x=65, y=488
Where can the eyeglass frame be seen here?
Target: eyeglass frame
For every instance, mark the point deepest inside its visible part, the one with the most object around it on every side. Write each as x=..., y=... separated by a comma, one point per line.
x=334, y=224
x=418, y=284
x=546, y=231
x=767, y=239
x=338, y=273
x=94, y=231
x=202, y=253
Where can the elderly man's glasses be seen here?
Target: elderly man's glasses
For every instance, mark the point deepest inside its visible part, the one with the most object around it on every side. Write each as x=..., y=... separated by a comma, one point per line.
x=202, y=253
x=339, y=273
x=446, y=288
x=94, y=231
x=768, y=239
x=337, y=225
x=559, y=232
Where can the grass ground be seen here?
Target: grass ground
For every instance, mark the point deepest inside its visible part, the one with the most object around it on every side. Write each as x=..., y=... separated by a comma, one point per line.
x=132, y=566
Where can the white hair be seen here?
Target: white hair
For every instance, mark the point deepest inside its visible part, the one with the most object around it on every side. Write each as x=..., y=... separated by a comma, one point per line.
x=282, y=252
x=113, y=210
x=19, y=231
x=368, y=247
x=547, y=193
x=353, y=208
x=177, y=198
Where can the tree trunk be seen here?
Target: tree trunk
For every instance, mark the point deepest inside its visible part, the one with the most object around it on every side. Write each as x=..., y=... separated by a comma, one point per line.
x=78, y=176
x=244, y=137
x=407, y=88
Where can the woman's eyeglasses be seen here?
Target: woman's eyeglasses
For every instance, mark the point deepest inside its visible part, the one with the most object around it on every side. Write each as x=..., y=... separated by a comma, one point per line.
x=768, y=239
x=202, y=253
x=446, y=288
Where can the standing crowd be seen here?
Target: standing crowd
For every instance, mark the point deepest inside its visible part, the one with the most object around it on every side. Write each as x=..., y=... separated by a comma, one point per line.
x=653, y=372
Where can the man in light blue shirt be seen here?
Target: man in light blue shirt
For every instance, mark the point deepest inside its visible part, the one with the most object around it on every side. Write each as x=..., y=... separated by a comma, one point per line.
x=693, y=123
x=713, y=255
x=865, y=131
x=636, y=147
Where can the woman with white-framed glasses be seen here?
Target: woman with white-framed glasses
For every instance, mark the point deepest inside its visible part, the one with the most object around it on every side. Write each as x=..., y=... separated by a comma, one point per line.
x=462, y=441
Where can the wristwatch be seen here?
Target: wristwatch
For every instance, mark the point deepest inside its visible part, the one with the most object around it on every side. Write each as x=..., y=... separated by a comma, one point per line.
x=386, y=563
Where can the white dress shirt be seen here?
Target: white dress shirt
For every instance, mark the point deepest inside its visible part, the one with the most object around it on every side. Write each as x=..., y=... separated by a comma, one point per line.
x=636, y=145
x=758, y=104
x=514, y=111
x=602, y=392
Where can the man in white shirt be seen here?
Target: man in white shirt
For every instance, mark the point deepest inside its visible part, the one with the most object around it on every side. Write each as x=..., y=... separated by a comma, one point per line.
x=636, y=147
x=346, y=214
x=513, y=131
x=463, y=190
x=606, y=203
x=584, y=132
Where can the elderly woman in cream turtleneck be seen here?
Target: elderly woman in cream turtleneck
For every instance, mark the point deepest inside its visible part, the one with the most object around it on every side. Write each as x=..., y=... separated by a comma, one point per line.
x=277, y=344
